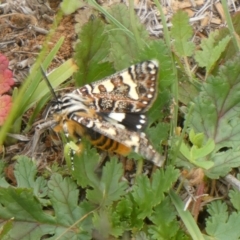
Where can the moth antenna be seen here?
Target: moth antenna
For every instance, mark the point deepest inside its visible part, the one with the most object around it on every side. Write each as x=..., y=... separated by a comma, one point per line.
x=48, y=83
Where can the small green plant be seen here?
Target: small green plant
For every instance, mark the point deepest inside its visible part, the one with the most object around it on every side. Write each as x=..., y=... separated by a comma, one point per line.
x=96, y=202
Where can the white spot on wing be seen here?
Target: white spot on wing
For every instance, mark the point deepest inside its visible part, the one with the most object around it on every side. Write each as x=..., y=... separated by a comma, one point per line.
x=90, y=124
x=133, y=141
x=142, y=134
x=117, y=116
x=155, y=62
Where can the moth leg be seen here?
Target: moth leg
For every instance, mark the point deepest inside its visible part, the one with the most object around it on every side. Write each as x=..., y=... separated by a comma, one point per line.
x=73, y=133
x=39, y=129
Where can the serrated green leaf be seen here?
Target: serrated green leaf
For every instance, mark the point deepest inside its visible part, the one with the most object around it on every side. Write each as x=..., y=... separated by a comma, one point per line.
x=64, y=197
x=181, y=32
x=216, y=115
x=162, y=181
x=164, y=219
x=25, y=172
x=102, y=225
x=124, y=48
x=121, y=217
x=187, y=90
x=124, y=209
x=157, y=134
x=84, y=166
x=210, y=53
x=234, y=198
x=218, y=209
x=223, y=163
x=22, y=205
x=147, y=195
x=143, y=196
x=31, y=222
x=221, y=226
x=92, y=52
x=110, y=188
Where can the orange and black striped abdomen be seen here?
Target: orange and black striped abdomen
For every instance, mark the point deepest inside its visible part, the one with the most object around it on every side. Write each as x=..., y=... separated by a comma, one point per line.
x=76, y=131
x=107, y=144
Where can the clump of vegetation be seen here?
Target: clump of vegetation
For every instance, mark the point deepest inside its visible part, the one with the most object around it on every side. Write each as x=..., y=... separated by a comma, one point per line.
x=80, y=202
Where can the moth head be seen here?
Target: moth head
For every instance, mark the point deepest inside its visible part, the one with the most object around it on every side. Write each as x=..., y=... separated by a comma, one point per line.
x=53, y=107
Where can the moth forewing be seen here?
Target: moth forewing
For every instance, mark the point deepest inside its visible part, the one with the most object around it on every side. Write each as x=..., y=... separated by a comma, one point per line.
x=131, y=90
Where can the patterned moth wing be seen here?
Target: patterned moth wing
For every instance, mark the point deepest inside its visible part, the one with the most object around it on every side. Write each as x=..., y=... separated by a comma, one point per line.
x=132, y=90
x=110, y=112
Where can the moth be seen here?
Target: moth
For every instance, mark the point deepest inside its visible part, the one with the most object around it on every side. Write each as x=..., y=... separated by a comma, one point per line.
x=111, y=112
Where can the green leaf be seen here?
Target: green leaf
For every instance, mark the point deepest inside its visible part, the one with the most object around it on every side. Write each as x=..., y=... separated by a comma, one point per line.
x=124, y=48
x=196, y=139
x=36, y=79
x=22, y=205
x=56, y=77
x=84, y=166
x=223, y=163
x=215, y=114
x=31, y=222
x=143, y=196
x=64, y=197
x=234, y=198
x=204, y=150
x=157, y=134
x=110, y=188
x=221, y=226
x=182, y=32
x=70, y=6
x=186, y=217
x=25, y=173
x=148, y=194
x=164, y=219
x=91, y=53
x=211, y=51
x=4, y=230
x=121, y=217
x=112, y=19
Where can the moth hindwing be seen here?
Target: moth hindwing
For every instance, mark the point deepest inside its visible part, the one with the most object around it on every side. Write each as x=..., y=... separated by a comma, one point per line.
x=114, y=108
